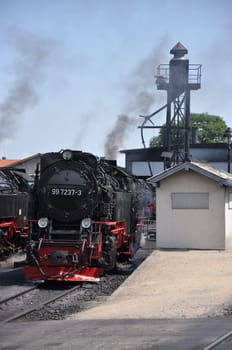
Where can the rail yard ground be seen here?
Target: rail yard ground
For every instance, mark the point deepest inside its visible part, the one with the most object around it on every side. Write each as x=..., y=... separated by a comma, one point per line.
x=176, y=300
x=173, y=284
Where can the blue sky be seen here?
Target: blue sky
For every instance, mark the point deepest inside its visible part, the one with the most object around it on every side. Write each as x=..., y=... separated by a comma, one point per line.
x=70, y=68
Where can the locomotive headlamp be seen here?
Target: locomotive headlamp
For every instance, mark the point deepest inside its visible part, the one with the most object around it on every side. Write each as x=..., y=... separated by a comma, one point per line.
x=86, y=223
x=67, y=154
x=43, y=222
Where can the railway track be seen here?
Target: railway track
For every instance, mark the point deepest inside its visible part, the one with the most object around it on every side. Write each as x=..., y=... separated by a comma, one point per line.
x=76, y=300
x=56, y=301
x=12, y=309
x=222, y=343
x=18, y=294
x=49, y=301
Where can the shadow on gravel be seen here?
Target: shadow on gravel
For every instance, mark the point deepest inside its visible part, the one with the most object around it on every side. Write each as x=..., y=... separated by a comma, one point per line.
x=12, y=276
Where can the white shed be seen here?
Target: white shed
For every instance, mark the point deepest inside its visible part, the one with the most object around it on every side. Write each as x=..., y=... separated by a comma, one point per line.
x=193, y=207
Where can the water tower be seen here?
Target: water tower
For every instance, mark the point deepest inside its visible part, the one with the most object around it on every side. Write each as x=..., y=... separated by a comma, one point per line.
x=178, y=78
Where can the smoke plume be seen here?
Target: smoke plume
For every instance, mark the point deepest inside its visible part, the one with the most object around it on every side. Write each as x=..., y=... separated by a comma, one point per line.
x=140, y=96
x=32, y=53
x=115, y=139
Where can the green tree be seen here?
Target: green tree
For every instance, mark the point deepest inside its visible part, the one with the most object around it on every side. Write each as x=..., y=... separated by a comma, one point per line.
x=209, y=129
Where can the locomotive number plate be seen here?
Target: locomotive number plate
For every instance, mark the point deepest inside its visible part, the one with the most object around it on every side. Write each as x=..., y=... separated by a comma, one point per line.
x=65, y=192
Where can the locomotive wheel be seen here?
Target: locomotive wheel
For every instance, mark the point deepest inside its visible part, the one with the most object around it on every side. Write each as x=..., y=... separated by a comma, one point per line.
x=109, y=252
x=111, y=259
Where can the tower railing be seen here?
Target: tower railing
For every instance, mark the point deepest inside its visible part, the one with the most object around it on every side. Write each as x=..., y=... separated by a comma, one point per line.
x=194, y=76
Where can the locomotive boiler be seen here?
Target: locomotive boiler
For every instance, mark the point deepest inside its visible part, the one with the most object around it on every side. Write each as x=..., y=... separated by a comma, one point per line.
x=86, y=211
x=14, y=202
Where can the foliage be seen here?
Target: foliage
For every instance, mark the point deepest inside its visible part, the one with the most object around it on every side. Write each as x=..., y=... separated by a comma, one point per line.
x=209, y=128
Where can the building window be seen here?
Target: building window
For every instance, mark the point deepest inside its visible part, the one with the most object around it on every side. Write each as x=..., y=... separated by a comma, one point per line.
x=230, y=200
x=190, y=200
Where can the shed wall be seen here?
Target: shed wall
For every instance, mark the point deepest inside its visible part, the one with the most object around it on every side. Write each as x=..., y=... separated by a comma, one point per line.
x=190, y=228
x=228, y=217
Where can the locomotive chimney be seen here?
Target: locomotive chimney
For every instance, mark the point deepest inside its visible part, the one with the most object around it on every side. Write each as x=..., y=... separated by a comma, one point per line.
x=110, y=161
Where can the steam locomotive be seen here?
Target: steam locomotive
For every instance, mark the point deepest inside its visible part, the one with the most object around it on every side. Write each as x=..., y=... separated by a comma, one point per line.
x=86, y=211
x=14, y=202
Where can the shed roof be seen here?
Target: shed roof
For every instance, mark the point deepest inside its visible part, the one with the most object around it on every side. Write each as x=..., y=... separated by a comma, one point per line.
x=14, y=162
x=203, y=168
x=7, y=162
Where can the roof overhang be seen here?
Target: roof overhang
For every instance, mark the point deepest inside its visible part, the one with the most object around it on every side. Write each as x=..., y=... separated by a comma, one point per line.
x=215, y=174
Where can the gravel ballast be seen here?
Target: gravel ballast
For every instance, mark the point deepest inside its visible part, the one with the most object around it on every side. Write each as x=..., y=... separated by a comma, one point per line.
x=172, y=284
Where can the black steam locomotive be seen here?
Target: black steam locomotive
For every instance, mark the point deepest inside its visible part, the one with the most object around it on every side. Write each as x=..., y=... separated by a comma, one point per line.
x=14, y=202
x=86, y=214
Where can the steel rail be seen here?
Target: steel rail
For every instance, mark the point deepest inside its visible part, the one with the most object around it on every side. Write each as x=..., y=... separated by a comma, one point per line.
x=40, y=306
x=19, y=294
x=218, y=341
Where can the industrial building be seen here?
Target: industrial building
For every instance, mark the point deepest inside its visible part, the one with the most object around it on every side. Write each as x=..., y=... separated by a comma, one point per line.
x=146, y=162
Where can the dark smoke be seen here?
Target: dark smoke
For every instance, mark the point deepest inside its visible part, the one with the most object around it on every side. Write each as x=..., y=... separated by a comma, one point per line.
x=32, y=53
x=140, y=97
x=142, y=93
x=115, y=139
